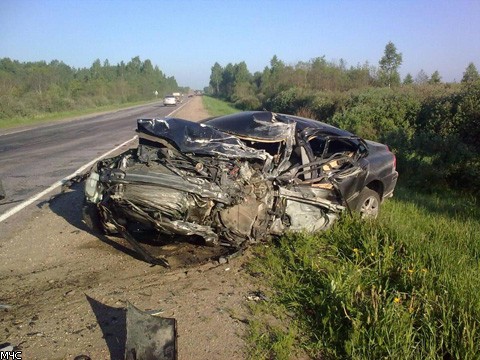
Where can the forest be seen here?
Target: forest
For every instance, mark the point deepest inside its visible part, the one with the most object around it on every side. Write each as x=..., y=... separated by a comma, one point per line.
x=31, y=89
x=432, y=126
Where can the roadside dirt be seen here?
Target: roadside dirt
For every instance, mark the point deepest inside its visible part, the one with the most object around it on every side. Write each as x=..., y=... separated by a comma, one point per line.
x=193, y=111
x=68, y=288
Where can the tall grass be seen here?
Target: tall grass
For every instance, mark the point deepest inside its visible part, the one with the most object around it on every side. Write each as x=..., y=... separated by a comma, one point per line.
x=217, y=107
x=406, y=286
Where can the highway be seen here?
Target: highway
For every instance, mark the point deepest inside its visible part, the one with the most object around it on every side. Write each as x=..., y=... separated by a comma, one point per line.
x=34, y=159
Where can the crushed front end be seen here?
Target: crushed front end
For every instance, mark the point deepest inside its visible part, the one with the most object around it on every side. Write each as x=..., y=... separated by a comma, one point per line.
x=190, y=179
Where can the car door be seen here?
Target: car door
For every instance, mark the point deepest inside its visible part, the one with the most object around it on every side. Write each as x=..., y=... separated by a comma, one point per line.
x=335, y=162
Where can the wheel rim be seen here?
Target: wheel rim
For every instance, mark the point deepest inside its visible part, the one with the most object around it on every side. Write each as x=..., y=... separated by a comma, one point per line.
x=369, y=208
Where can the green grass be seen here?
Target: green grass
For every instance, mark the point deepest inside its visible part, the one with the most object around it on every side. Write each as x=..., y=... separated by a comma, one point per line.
x=50, y=117
x=217, y=107
x=406, y=286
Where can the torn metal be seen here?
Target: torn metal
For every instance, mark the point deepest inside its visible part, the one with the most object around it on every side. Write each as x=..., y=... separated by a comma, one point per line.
x=150, y=337
x=236, y=179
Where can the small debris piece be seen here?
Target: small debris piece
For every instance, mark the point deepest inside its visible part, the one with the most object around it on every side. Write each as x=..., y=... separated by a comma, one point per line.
x=150, y=337
x=82, y=357
x=154, y=312
x=257, y=296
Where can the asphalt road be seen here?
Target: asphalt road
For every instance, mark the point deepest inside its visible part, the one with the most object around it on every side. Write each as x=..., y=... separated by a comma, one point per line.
x=33, y=159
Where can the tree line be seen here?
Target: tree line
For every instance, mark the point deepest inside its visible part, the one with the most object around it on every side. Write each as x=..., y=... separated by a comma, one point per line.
x=29, y=89
x=432, y=126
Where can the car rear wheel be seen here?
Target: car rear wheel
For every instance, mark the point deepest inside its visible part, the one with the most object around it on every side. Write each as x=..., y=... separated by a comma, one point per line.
x=368, y=204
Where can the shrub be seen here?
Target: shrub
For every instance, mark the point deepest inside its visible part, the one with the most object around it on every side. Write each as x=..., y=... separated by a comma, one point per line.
x=247, y=103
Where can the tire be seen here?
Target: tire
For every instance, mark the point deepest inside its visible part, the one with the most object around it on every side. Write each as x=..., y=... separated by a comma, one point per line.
x=368, y=204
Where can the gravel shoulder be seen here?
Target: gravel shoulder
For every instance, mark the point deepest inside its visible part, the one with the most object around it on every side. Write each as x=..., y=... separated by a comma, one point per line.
x=68, y=288
x=194, y=110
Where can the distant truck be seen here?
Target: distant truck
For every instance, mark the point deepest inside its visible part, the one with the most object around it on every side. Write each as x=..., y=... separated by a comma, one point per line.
x=178, y=97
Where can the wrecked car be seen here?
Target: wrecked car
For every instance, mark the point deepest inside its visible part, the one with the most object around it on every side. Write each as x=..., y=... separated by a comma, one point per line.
x=236, y=179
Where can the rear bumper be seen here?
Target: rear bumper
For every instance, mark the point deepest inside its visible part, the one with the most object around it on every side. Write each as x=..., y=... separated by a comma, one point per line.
x=390, y=182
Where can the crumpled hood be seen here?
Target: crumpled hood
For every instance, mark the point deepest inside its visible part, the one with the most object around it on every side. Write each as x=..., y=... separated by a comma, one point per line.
x=263, y=126
x=192, y=137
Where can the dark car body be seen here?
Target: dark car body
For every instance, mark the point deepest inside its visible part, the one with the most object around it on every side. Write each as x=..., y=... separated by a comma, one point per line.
x=239, y=178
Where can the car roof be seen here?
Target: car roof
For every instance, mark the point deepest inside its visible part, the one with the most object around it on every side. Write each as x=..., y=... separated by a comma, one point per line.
x=254, y=124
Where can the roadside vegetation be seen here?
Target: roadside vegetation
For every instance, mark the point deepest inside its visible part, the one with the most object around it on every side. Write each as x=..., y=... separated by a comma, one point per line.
x=39, y=91
x=216, y=107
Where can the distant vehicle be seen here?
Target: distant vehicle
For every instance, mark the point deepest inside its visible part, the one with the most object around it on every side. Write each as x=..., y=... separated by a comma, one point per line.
x=169, y=100
x=178, y=97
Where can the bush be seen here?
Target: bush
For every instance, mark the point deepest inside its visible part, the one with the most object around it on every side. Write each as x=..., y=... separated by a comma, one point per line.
x=290, y=101
x=247, y=103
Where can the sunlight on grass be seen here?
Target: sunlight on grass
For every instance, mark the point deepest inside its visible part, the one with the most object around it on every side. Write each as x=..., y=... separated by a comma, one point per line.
x=404, y=287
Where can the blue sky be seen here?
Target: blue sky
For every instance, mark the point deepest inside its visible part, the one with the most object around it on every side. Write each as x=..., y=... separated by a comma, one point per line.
x=185, y=38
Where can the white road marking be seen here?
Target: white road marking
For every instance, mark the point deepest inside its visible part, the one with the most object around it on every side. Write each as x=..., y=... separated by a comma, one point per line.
x=174, y=111
x=34, y=198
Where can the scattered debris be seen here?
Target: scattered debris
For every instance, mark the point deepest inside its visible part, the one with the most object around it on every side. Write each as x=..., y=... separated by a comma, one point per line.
x=150, y=337
x=82, y=357
x=6, y=348
x=154, y=312
x=69, y=293
x=257, y=296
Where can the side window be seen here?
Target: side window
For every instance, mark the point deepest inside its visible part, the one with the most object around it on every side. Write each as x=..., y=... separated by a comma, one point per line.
x=317, y=144
x=340, y=146
x=273, y=148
